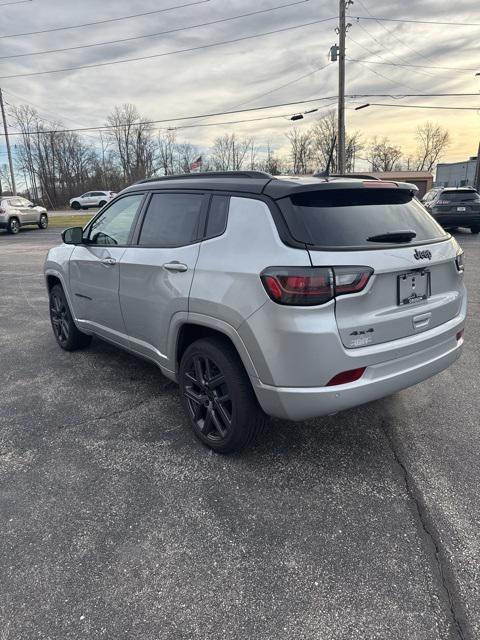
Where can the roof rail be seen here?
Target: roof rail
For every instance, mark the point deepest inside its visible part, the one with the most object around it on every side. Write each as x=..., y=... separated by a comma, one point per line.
x=211, y=174
x=361, y=176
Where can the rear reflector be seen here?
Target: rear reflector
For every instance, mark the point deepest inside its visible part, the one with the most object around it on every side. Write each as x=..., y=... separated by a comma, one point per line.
x=347, y=376
x=460, y=335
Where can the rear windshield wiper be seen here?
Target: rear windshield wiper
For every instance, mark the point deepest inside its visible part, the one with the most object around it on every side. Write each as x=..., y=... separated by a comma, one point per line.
x=393, y=236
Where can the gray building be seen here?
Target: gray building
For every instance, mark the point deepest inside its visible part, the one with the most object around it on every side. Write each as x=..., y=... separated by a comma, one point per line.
x=456, y=174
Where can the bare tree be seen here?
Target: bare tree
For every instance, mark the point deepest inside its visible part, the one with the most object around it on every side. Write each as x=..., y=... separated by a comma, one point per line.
x=301, y=151
x=271, y=163
x=383, y=156
x=229, y=153
x=432, y=141
x=324, y=140
x=134, y=145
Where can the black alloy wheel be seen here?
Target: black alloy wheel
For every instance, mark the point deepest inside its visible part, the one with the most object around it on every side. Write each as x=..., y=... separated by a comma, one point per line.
x=218, y=397
x=76, y=206
x=68, y=336
x=60, y=317
x=208, y=398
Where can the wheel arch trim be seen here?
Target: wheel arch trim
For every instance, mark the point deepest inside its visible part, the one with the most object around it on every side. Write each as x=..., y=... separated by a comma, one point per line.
x=181, y=319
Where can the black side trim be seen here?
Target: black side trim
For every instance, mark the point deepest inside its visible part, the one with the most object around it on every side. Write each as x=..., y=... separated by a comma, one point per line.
x=80, y=295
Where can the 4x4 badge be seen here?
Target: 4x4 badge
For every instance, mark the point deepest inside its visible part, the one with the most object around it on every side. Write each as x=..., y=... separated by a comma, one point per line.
x=420, y=255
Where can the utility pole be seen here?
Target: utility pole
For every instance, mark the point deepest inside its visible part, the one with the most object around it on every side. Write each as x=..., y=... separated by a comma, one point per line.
x=342, y=32
x=7, y=142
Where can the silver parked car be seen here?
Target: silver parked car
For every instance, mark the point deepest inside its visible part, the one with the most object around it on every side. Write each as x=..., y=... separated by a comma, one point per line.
x=290, y=297
x=16, y=212
x=92, y=199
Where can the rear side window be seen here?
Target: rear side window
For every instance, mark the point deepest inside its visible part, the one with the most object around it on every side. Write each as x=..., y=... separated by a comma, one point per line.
x=217, y=216
x=171, y=220
x=346, y=218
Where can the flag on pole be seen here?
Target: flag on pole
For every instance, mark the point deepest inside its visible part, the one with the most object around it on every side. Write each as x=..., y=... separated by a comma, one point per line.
x=196, y=164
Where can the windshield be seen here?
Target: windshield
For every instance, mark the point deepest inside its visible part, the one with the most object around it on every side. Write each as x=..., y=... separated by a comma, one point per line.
x=334, y=218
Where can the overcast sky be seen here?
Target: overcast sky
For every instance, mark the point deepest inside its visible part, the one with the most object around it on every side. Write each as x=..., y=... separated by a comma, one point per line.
x=223, y=77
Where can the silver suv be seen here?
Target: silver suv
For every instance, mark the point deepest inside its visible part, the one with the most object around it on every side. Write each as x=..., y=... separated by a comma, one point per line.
x=16, y=212
x=289, y=297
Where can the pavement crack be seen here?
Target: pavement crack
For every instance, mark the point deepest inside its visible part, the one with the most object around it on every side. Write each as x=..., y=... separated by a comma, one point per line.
x=432, y=540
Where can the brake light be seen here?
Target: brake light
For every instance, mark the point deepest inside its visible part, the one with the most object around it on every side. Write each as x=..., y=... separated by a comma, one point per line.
x=2, y=210
x=309, y=286
x=380, y=184
x=347, y=376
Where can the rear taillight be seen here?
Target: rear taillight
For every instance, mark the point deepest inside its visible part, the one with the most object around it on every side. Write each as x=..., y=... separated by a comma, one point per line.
x=347, y=376
x=460, y=262
x=309, y=286
x=2, y=210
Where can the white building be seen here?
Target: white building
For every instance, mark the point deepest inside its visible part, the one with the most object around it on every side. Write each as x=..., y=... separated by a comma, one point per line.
x=456, y=174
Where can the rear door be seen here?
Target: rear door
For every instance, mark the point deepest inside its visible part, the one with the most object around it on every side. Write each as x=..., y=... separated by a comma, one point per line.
x=415, y=285
x=156, y=274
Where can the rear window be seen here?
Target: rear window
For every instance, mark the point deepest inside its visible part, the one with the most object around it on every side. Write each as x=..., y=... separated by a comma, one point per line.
x=459, y=196
x=337, y=218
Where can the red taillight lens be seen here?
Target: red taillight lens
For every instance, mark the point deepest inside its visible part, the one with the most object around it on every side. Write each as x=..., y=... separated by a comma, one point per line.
x=308, y=286
x=298, y=285
x=2, y=210
x=347, y=376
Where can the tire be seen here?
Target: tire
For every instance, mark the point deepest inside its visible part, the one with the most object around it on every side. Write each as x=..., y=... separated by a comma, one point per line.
x=475, y=230
x=210, y=370
x=64, y=328
x=76, y=206
x=102, y=203
x=43, y=222
x=13, y=226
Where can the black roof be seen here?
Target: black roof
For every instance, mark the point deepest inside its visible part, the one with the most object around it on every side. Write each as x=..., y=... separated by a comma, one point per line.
x=257, y=183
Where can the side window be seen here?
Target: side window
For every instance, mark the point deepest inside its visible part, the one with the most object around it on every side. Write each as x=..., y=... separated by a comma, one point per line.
x=171, y=220
x=217, y=216
x=114, y=225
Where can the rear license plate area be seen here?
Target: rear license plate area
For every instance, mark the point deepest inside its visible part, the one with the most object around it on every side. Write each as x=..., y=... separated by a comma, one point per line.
x=461, y=208
x=413, y=287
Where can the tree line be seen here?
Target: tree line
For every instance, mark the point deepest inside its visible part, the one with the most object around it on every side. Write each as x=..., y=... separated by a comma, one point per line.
x=56, y=165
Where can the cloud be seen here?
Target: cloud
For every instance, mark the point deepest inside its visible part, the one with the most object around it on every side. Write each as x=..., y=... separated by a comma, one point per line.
x=219, y=78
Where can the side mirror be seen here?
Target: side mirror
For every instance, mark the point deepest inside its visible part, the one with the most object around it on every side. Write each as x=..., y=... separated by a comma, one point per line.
x=74, y=235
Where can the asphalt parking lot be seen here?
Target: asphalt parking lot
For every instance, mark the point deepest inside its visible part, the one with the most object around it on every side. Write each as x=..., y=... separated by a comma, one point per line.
x=116, y=523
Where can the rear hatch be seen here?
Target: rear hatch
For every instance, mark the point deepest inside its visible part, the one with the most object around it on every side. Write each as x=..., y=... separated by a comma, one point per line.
x=457, y=202
x=416, y=284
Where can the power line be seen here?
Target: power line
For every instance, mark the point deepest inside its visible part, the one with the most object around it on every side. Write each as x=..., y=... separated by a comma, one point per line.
x=167, y=53
x=391, y=33
x=449, y=24
x=422, y=106
x=262, y=108
x=415, y=66
x=153, y=35
x=90, y=24
x=5, y=4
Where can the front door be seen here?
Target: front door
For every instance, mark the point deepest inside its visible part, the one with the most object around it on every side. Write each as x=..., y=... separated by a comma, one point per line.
x=156, y=275
x=95, y=269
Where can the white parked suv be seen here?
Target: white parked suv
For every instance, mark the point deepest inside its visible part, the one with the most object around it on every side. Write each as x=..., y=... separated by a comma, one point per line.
x=16, y=212
x=92, y=199
x=289, y=296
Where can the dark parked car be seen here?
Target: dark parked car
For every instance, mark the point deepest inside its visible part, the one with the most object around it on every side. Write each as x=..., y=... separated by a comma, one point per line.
x=455, y=207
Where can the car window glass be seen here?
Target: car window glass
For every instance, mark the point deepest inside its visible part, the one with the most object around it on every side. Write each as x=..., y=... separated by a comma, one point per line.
x=171, y=220
x=114, y=225
x=15, y=202
x=460, y=196
x=217, y=216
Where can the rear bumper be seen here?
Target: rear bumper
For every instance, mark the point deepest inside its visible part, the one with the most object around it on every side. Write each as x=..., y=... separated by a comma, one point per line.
x=378, y=381
x=457, y=219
